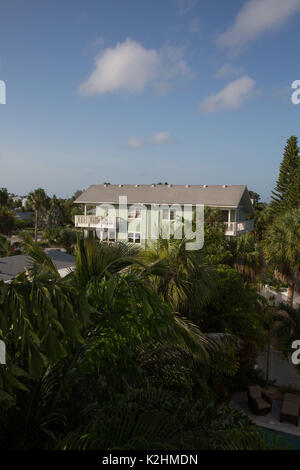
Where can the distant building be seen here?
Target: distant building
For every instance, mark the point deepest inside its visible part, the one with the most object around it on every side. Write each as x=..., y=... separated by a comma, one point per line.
x=17, y=199
x=233, y=201
x=10, y=266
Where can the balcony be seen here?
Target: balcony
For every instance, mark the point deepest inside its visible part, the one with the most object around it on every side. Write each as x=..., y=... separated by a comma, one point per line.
x=238, y=228
x=94, y=221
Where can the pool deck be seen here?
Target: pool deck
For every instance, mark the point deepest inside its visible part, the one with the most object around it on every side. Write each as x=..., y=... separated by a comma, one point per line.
x=270, y=421
x=283, y=372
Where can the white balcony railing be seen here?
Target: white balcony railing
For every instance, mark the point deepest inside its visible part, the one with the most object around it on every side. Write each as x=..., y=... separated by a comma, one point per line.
x=237, y=228
x=94, y=221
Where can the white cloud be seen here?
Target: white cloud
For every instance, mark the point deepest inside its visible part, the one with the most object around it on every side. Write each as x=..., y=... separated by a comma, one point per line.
x=231, y=97
x=256, y=17
x=135, y=143
x=159, y=138
x=228, y=70
x=132, y=68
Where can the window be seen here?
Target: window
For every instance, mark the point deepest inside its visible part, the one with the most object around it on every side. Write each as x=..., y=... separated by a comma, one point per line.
x=108, y=235
x=168, y=214
x=134, y=213
x=131, y=237
x=134, y=237
x=131, y=213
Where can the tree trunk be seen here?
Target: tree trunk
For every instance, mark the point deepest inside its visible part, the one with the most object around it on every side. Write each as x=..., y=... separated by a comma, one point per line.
x=36, y=225
x=290, y=293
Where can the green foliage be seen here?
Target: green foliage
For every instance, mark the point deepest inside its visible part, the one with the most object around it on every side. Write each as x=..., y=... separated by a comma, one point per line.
x=234, y=309
x=287, y=329
x=37, y=201
x=282, y=247
x=152, y=419
x=4, y=197
x=21, y=224
x=248, y=256
x=286, y=194
x=41, y=319
x=217, y=248
x=100, y=360
x=6, y=249
x=94, y=259
x=261, y=220
x=7, y=221
x=182, y=278
x=63, y=237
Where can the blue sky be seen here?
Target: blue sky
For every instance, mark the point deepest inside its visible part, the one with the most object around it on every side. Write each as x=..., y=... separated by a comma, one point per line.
x=140, y=91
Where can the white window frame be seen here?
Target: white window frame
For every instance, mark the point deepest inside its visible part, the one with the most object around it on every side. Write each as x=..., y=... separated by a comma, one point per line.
x=106, y=237
x=168, y=218
x=135, y=236
x=132, y=213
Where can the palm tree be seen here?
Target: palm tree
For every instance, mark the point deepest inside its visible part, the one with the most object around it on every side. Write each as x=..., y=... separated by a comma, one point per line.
x=6, y=248
x=93, y=321
x=4, y=197
x=94, y=260
x=157, y=419
x=180, y=277
x=67, y=238
x=38, y=200
x=282, y=249
x=247, y=255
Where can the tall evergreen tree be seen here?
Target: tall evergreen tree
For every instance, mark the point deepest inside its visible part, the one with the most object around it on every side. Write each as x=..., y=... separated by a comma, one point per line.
x=293, y=199
x=284, y=195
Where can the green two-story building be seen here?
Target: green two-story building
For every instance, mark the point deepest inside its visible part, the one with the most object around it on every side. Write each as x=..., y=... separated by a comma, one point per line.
x=136, y=213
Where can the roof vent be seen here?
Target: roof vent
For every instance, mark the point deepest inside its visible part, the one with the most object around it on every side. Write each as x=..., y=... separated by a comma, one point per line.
x=187, y=185
x=205, y=186
x=224, y=186
x=136, y=185
x=170, y=185
x=120, y=185
x=153, y=185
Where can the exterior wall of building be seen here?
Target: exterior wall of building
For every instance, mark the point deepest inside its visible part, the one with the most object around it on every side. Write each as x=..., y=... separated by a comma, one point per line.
x=241, y=214
x=149, y=222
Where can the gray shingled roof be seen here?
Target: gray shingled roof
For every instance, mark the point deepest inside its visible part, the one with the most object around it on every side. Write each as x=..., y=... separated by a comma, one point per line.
x=10, y=266
x=214, y=196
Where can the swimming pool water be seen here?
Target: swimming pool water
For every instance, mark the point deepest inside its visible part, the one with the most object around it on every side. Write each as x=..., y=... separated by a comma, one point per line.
x=282, y=440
